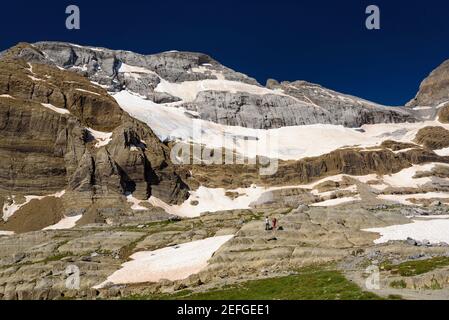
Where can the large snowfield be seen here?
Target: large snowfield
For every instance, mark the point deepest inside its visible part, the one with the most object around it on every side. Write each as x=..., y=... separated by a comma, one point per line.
x=434, y=230
x=288, y=143
x=172, y=263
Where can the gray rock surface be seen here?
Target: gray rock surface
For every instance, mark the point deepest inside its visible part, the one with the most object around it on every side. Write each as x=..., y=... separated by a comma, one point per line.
x=296, y=103
x=104, y=67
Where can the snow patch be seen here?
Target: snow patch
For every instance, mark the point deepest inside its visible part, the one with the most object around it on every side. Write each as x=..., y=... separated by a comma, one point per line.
x=55, y=109
x=442, y=152
x=404, y=198
x=65, y=223
x=10, y=208
x=6, y=233
x=135, y=203
x=211, y=200
x=404, y=178
x=126, y=68
x=87, y=91
x=441, y=104
x=434, y=230
x=172, y=263
x=6, y=96
x=103, y=138
x=188, y=90
x=336, y=202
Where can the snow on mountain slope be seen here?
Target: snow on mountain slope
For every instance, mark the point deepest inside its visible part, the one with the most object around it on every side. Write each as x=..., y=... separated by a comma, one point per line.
x=217, y=93
x=65, y=223
x=287, y=143
x=206, y=199
x=189, y=90
x=9, y=209
x=434, y=230
x=172, y=263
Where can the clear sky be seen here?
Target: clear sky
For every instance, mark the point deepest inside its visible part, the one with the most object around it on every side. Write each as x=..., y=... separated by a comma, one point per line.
x=325, y=42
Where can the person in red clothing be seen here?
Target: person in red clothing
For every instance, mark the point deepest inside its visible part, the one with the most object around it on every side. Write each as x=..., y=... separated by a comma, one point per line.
x=274, y=223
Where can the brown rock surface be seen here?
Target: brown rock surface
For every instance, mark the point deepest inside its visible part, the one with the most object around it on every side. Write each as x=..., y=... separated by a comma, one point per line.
x=433, y=137
x=35, y=215
x=44, y=150
x=351, y=161
x=443, y=114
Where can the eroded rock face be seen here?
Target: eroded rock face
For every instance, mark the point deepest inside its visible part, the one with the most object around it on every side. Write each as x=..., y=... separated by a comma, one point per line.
x=443, y=114
x=49, y=125
x=255, y=111
x=433, y=137
x=104, y=66
x=342, y=109
x=300, y=103
x=434, y=90
x=351, y=161
x=290, y=104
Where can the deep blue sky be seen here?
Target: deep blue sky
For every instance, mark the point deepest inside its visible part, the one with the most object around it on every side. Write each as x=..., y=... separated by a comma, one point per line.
x=315, y=40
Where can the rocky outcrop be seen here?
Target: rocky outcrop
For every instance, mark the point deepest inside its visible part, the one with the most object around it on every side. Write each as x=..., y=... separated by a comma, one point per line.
x=350, y=161
x=50, y=120
x=434, y=90
x=433, y=137
x=443, y=114
x=292, y=104
x=107, y=67
x=342, y=109
x=255, y=111
x=37, y=215
x=288, y=104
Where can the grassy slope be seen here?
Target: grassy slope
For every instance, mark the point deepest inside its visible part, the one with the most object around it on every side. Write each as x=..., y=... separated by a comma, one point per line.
x=417, y=267
x=309, y=284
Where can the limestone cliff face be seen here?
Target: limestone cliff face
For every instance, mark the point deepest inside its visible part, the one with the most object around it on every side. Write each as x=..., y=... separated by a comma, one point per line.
x=296, y=103
x=49, y=119
x=350, y=161
x=300, y=106
x=103, y=66
x=433, y=90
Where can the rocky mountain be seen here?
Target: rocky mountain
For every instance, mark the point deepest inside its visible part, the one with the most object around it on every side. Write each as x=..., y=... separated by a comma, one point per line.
x=89, y=175
x=432, y=99
x=61, y=132
x=166, y=77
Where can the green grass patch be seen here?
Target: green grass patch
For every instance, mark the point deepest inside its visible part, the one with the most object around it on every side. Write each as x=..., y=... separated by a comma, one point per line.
x=398, y=284
x=417, y=267
x=308, y=284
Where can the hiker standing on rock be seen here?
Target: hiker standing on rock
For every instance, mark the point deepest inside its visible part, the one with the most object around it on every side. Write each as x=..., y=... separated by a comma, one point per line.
x=267, y=224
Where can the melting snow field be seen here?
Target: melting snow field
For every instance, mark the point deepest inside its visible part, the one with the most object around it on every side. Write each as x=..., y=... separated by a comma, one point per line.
x=172, y=263
x=135, y=203
x=171, y=122
x=434, y=230
x=103, y=138
x=442, y=152
x=336, y=202
x=405, y=179
x=65, y=223
x=211, y=200
x=6, y=233
x=403, y=198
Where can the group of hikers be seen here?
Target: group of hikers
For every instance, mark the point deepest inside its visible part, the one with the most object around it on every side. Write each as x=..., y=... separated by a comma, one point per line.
x=271, y=225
